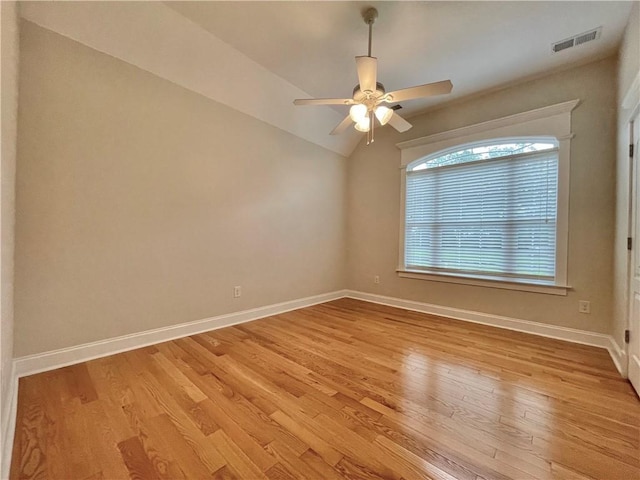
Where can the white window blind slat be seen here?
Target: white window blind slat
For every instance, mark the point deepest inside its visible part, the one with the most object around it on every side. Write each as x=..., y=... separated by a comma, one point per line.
x=491, y=217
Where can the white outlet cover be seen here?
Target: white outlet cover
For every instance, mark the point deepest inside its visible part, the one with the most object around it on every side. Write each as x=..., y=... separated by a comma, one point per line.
x=584, y=306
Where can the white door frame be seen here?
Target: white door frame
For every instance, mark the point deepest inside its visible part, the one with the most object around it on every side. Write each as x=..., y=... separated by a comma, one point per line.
x=631, y=105
x=632, y=205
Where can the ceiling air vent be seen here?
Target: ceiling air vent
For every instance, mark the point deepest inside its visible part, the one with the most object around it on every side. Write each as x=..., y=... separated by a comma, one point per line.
x=576, y=40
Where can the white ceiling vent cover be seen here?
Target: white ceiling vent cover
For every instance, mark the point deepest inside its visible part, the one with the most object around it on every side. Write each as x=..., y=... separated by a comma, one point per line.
x=576, y=40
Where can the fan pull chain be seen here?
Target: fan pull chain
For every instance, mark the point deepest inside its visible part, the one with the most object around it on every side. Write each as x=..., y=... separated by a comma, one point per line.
x=372, y=122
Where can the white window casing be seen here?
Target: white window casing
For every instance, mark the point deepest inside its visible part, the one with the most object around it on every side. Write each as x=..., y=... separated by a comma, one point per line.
x=552, y=122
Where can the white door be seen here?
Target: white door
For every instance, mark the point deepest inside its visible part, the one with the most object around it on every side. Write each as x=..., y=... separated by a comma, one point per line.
x=634, y=317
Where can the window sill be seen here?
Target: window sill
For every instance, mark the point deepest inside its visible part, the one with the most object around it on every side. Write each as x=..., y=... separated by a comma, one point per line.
x=490, y=282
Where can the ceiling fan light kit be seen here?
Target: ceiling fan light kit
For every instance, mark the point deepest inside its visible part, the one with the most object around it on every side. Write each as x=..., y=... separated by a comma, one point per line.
x=360, y=116
x=369, y=94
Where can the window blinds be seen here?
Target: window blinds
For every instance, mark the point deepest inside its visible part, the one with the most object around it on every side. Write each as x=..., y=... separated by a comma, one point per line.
x=492, y=217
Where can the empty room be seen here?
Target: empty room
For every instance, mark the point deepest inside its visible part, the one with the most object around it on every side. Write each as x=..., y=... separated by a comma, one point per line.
x=321, y=240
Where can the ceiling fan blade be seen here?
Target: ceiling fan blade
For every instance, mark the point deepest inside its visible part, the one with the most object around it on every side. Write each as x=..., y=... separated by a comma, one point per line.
x=323, y=101
x=367, y=73
x=436, y=88
x=342, y=126
x=399, y=123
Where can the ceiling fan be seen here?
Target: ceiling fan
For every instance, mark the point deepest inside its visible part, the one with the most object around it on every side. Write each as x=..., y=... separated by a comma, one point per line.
x=369, y=95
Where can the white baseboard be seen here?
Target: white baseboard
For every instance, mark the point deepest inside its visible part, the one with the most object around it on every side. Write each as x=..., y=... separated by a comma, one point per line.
x=618, y=355
x=542, y=329
x=42, y=362
x=9, y=426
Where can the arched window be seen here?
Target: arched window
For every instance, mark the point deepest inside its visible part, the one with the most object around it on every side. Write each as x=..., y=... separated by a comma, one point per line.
x=488, y=204
x=484, y=208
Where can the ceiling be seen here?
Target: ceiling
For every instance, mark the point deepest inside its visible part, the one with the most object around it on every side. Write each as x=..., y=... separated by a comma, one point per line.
x=478, y=45
x=256, y=57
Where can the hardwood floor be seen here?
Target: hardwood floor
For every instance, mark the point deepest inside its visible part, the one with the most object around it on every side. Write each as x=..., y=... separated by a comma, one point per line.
x=346, y=389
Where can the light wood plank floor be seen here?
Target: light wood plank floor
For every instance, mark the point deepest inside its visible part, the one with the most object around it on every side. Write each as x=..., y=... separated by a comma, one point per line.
x=346, y=389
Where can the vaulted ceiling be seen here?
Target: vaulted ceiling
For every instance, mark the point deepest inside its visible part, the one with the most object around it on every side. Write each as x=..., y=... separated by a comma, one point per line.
x=258, y=56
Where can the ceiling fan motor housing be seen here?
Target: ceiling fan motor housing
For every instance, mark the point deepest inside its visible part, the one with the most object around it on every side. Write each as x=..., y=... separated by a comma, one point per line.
x=359, y=95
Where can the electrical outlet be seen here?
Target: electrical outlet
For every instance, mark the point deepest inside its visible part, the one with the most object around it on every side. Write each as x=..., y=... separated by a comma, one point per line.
x=376, y=279
x=237, y=291
x=584, y=306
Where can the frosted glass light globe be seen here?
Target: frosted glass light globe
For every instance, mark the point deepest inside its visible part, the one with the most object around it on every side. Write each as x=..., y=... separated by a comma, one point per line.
x=383, y=114
x=358, y=113
x=363, y=126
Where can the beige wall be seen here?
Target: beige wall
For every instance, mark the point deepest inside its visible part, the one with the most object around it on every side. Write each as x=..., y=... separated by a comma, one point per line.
x=628, y=68
x=9, y=105
x=629, y=53
x=141, y=204
x=374, y=196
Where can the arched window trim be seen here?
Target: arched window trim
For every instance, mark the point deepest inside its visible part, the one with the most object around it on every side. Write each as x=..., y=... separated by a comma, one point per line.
x=486, y=143
x=551, y=122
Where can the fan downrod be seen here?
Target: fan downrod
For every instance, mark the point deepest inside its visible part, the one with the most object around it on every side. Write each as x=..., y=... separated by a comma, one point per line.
x=369, y=17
